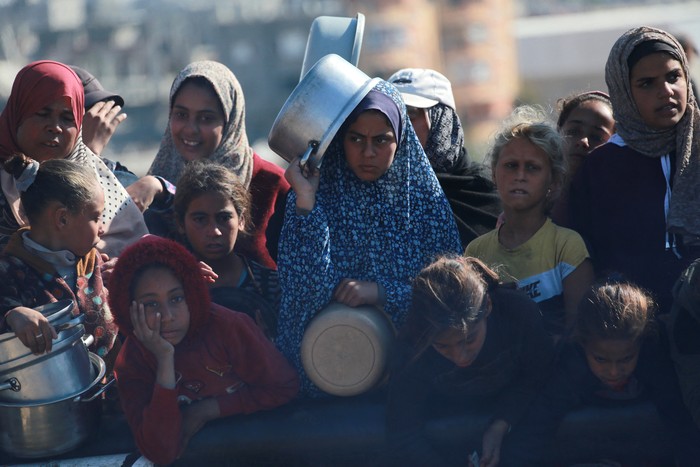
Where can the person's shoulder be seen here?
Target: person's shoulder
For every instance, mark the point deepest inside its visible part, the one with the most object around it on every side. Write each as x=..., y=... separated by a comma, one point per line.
x=222, y=316
x=263, y=166
x=268, y=173
x=482, y=241
x=611, y=152
x=259, y=269
x=514, y=304
x=564, y=234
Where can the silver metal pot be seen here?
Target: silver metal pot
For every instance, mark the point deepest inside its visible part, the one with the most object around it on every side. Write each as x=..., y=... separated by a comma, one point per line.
x=25, y=377
x=49, y=429
x=317, y=108
x=333, y=35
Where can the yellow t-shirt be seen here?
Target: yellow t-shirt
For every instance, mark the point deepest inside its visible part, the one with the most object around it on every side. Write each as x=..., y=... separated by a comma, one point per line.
x=538, y=266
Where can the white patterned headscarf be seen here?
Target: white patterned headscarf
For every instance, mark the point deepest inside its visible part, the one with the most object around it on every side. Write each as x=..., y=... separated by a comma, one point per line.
x=682, y=139
x=122, y=221
x=234, y=152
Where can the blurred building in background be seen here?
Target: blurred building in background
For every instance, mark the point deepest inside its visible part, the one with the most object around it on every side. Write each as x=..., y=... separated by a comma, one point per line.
x=469, y=41
x=496, y=52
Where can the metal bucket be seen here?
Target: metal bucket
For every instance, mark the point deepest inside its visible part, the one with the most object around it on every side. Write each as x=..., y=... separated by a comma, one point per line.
x=317, y=108
x=49, y=429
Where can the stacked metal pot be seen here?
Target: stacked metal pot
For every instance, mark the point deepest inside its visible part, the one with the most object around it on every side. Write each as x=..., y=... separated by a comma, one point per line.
x=49, y=403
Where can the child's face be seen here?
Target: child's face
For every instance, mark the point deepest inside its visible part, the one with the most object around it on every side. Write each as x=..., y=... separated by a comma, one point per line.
x=588, y=126
x=83, y=229
x=523, y=176
x=159, y=291
x=196, y=122
x=370, y=145
x=659, y=90
x=612, y=361
x=211, y=225
x=460, y=348
x=50, y=133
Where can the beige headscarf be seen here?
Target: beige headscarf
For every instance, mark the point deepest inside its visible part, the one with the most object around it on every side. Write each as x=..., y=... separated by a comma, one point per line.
x=683, y=215
x=234, y=152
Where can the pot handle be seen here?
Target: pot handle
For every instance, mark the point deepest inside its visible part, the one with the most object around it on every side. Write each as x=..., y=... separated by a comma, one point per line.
x=88, y=339
x=69, y=324
x=305, y=157
x=104, y=387
x=12, y=383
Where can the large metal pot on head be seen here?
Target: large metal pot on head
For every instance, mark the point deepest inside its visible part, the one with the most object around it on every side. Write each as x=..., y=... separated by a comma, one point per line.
x=25, y=377
x=317, y=108
x=33, y=430
x=345, y=349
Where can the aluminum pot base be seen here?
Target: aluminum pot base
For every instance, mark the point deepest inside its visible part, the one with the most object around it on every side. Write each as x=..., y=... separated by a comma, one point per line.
x=51, y=429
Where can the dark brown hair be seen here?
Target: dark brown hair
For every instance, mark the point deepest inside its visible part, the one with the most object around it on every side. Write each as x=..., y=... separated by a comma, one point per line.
x=450, y=293
x=614, y=310
x=201, y=177
x=566, y=105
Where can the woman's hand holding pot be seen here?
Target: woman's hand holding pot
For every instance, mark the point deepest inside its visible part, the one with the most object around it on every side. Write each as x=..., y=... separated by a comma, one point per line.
x=304, y=182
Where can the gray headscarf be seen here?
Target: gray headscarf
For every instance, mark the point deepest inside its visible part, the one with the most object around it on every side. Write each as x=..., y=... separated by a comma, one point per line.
x=681, y=139
x=234, y=152
x=445, y=144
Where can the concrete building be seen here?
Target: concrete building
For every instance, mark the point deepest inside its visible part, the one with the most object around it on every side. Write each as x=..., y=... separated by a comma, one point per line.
x=469, y=41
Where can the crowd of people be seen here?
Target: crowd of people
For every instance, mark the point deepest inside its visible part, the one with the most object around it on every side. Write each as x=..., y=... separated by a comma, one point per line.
x=561, y=274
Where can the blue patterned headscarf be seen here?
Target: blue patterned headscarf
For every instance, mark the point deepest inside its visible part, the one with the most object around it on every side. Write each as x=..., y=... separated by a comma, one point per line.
x=375, y=100
x=384, y=231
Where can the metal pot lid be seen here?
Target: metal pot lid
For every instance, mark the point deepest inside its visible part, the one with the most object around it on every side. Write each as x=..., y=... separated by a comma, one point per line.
x=56, y=312
x=12, y=350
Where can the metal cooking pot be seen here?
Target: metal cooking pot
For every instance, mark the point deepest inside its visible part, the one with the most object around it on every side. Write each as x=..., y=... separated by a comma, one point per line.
x=334, y=34
x=25, y=377
x=317, y=108
x=57, y=313
x=48, y=429
x=345, y=349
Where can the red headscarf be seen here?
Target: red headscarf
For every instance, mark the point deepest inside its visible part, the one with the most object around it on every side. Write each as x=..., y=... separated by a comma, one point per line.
x=36, y=86
x=158, y=251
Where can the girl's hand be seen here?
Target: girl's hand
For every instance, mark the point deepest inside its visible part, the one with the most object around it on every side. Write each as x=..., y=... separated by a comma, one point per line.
x=150, y=338
x=196, y=415
x=352, y=292
x=207, y=272
x=144, y=190
x=491, y=443
x=107, y=267
x=304, y=182
x=31, y=328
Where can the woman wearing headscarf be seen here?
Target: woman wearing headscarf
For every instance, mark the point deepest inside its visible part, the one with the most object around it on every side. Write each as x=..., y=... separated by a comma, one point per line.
x=431, y=107
x=43, y=120
x=359, y=230
x=207, y=121
x=635, y=199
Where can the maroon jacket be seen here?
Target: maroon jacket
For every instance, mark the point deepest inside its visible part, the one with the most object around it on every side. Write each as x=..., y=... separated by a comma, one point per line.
x=268, y=190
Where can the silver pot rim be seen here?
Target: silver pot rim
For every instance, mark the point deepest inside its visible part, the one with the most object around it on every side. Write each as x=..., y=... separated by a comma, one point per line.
x=64, y=339
x=54, y=312
x=95, y=360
